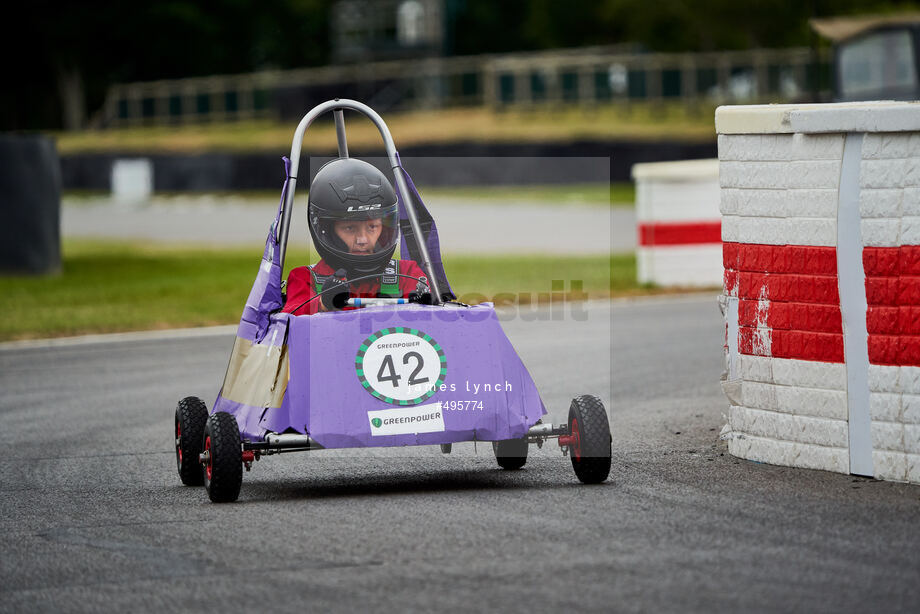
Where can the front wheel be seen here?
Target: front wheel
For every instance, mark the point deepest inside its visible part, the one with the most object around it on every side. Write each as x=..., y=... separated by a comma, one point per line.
x=222, y=464
x=510, y=453
x=589, y=430
x=191, y=415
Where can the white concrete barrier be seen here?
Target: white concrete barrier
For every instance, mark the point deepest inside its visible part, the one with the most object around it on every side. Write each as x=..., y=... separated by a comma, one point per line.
x=821, y=231
x=677, y=223
x=132, y=180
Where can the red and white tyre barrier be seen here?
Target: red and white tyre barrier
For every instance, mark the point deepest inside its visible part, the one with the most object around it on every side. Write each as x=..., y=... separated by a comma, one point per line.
x=678, y=223
x=821, y=254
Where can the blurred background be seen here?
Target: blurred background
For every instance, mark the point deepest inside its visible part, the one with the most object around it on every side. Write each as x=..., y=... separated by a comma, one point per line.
x=104, y=65
x=155, y=128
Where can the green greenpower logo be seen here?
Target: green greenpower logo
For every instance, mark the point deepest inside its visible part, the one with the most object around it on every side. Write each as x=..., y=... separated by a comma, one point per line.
x=400, y=366
x=377, y=422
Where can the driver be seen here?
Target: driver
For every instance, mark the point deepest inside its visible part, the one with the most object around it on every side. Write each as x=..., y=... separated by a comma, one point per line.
x=354, y=221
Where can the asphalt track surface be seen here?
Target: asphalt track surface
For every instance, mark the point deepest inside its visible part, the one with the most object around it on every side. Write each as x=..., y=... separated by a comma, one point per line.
x=499, y=226
x=94, y=518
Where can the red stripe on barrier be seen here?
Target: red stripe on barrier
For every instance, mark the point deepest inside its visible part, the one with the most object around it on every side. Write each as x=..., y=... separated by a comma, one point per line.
x=908, y=290
x=790, y=316
x=892, y=261
x=882, y=320
x=893, y=291
x=797, y=344
x=909, y=256
x=730, y=279
x=790, y=307
x=788, y=287
x=730, y=254
x=881, y=261
x=893, y=320
x=825, y=347
x=892, y=276
x=882, y=291
x=909, y=320
x=900, y=350
x=679, y=233
x=799, y=259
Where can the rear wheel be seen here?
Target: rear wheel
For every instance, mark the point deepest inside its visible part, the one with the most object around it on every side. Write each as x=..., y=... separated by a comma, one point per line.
x=590, y=433
x=510, y=453
x=191, y=415
x=222, y=468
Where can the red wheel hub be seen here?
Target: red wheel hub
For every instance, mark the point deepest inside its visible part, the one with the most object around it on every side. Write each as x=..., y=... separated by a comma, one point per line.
x=207, y=450
x=573, y=439
x=179, y=441
x=576, y=433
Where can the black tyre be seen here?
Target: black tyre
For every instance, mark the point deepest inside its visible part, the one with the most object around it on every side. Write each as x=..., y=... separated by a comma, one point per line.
x=223, y=467
x=191, y=414
x=590, y=430
x=510, y=453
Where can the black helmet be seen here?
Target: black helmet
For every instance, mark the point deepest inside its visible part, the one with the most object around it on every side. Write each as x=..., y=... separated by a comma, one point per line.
x=353, y=216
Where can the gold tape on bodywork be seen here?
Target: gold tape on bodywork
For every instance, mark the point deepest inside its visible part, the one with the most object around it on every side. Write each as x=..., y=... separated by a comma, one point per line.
x=257, y=374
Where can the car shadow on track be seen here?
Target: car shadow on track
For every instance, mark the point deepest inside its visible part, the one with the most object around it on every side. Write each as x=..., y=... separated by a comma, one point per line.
x=403, y=482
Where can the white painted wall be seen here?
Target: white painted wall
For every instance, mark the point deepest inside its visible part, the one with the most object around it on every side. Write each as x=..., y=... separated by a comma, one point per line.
x=132, y=181
x=785, y=182
x=675, y=193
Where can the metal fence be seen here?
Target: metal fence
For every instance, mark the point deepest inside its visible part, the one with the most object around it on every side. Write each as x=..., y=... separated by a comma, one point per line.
x=587, y=76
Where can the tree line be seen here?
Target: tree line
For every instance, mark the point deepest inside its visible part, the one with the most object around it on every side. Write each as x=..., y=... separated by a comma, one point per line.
x=62, y=56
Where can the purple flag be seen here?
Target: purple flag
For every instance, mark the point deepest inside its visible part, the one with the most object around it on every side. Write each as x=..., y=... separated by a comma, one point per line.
x=408, y=245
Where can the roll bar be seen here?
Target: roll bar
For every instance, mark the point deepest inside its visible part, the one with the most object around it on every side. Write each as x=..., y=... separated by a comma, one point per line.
x=338, y=106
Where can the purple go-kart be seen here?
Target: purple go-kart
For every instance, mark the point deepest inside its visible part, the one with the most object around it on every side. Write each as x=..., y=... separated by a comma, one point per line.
x=391, y=373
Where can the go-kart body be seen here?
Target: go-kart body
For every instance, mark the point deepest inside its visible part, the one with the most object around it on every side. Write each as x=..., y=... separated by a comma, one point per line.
x=307, y=376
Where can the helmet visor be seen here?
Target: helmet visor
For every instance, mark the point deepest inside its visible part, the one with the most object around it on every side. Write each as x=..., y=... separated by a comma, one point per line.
x=356, y=234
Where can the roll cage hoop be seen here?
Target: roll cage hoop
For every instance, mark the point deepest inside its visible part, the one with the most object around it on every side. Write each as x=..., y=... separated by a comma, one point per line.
x=338, y=107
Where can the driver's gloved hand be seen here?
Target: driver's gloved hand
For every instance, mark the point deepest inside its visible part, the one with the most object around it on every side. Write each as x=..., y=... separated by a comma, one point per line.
x=335, y=291
x=420, y=298
x=425, y=298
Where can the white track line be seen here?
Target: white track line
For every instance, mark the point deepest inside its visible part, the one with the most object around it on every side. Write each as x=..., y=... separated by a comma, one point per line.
x=142, y=335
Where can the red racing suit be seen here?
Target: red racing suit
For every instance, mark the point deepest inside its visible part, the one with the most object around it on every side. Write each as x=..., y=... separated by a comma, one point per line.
x=302, y=283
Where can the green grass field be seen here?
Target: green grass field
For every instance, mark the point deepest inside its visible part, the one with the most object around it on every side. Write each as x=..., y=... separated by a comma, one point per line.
x=646, y=121
x=617, y=194
x=111, y=287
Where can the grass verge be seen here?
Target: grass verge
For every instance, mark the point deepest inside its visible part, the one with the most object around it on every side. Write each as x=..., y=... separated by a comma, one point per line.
x=615, y=194
x=477, y=124
x=111, y=287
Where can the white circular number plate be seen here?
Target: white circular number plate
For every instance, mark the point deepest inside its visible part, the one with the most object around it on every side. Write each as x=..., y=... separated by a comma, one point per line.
x=400, y=365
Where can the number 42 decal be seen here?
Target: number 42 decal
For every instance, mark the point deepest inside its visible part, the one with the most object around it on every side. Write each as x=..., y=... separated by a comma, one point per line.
x=393, y=377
